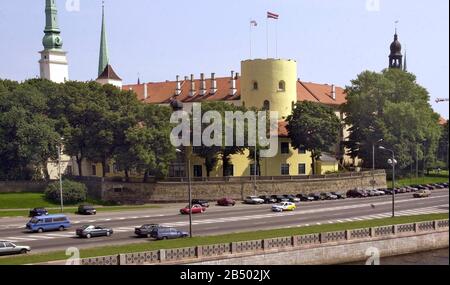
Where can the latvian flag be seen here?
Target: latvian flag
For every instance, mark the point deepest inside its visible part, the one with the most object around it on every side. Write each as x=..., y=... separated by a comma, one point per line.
x=271, y=15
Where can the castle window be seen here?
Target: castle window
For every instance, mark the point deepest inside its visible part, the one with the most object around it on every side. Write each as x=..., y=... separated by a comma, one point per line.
x=255, y=85
x=282, y=86
x=266, y=105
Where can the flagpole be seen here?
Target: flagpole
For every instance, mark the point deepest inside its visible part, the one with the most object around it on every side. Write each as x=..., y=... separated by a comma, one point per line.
x=276, y=39
x=250, y=33
x=267, y=35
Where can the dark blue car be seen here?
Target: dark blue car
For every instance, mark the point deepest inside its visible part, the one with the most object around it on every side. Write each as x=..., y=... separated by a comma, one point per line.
x=167, y=233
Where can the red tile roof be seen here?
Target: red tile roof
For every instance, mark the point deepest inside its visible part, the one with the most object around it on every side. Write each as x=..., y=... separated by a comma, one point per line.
x=163, y=92
x=442, y=121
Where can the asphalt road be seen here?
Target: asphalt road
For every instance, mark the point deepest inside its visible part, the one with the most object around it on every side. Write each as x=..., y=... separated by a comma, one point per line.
x=218, y=220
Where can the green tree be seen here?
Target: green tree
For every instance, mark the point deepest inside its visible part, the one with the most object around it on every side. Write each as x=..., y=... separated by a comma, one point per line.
x=314, y=127
x=391, y=106
x=443, y=145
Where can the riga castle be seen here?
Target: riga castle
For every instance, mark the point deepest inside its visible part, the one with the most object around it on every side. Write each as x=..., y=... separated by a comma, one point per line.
x=269, y=83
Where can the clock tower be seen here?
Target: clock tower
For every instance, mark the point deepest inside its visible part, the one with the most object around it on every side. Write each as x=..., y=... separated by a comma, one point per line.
x=53, y=63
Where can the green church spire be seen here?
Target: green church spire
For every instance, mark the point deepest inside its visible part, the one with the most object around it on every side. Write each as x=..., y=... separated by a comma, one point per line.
x=52, y=38
x=104, y=60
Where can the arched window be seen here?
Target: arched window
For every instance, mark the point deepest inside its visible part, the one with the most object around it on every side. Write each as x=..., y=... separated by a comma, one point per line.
x=266, y=106
x=255, y=85
x=282, y=86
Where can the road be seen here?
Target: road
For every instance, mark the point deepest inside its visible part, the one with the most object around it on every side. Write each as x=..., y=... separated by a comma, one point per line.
x=219, y=220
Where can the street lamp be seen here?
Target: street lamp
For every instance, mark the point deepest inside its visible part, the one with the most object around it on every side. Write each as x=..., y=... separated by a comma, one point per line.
x=190, y=192
x=392, y=162
x=373, y=162
x=60, y=177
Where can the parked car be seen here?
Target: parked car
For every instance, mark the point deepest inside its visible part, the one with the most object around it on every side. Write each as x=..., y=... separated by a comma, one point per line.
x=305, y=197
x=89, y=231
x=339, y=195
x=196, y=209
x=439, y=186
x=355, y=193
x=422, y=194
x=86, y=210
x=167, y=233
x=279, y=198
x=292, y=198
x=226, y=202
x=327, y=196
x=253, y=200
x=145, y=230
x=315, y=196
x=48, y=223
x=284, y=206
x=268, y=199
x=8, y=248
x=38, y=212
x=201, y=202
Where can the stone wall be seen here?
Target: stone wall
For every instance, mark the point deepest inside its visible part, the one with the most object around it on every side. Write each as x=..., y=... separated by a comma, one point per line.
x=22, y=186
x=138, y=193
x=319, y=248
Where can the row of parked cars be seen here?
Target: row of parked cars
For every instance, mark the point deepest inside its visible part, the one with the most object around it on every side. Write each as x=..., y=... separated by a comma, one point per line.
x=419, y=190
x=272, y=199
x=82, y=210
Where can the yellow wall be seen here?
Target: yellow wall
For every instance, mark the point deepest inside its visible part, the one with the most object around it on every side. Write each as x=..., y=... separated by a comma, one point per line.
x=268, y=73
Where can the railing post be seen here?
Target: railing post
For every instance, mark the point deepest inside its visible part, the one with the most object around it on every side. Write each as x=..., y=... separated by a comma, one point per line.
x=122, y=258
x=416, y=228
x=198, y=251
x=372, y=232
x=162, y=255
x=294, y=241
x=348, y=235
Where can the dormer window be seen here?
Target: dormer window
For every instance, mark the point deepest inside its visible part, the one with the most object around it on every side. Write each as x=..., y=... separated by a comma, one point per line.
x=281, y=86
x=255, y=85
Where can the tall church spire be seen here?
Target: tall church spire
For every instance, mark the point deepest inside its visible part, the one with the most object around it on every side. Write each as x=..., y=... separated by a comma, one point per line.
x=53, y=64
x=52, y=39
x=395, y=57
x=405, y=67
x=103, y=59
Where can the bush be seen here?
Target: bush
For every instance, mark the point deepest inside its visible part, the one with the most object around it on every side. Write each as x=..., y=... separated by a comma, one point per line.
x=73, y=192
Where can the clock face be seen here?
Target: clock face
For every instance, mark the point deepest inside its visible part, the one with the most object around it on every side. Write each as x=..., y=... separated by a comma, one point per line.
x=58, y=40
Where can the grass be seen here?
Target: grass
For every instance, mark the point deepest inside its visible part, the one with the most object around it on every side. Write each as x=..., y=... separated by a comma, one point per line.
x=226, y=238
x=10, y=203
x=429, y=179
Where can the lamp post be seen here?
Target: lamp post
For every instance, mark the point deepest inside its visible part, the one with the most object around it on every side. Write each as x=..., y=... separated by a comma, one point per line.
x=60, y=178
x=393, y=162
x=190, y=192
x=255, y=169
x=373, y=163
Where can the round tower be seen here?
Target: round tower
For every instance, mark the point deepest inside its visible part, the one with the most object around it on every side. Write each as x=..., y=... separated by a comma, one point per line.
x=269, y=84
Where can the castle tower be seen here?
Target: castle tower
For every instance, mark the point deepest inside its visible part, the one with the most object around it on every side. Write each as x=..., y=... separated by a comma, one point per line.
x=270, y=84
x=53, y=63
x=106, y=74
x=395, y=57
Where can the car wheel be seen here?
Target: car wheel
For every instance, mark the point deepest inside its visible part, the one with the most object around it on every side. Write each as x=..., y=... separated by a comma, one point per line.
x=23, y=251
x=108, y=234
x=88, y=236
x=40, y=230
x=164, y=238
x=61, y=228
x=149, y=235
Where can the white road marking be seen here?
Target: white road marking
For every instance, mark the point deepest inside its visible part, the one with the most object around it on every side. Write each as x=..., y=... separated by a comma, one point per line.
x=14, y=239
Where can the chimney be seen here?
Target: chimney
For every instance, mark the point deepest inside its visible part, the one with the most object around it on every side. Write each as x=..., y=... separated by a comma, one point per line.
x=186, y=78
x=178, y=89
x=202, y=84
x=233, y=89
x=213, y=83
x=145, y=91
x=333, y=92
x=192, y=90
x=237, y=75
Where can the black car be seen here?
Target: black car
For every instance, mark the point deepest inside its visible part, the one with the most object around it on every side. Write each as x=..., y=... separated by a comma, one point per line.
x=145, y=230
x=201, y=202
x=292, y=198
x=327, y=196
x=86, y=210
x=305, y=197
x=267, y=199
x=89, y=231
x=355, y=193
x=279, y=198
x=38, y=212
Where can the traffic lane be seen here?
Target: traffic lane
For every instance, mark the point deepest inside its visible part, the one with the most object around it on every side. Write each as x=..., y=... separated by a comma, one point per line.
x=249, y=211
x=278, y=221
x=173, y=210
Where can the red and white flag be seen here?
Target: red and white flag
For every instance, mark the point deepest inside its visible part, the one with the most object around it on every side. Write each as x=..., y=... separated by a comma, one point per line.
x=271, y=15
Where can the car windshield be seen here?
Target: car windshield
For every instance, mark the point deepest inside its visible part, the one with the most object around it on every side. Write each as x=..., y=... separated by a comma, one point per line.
x=86, y=227
x=87, y=207
x=34, y=220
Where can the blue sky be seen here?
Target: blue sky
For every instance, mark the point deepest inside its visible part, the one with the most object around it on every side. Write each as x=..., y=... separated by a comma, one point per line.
x=332, y=40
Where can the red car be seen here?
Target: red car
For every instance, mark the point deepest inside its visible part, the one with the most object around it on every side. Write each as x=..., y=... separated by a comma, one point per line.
x=196, y=209
x=226, y=202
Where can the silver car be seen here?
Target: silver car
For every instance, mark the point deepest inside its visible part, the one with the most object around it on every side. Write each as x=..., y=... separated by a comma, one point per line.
x=7, y=247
